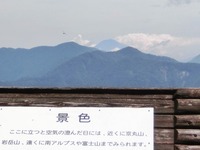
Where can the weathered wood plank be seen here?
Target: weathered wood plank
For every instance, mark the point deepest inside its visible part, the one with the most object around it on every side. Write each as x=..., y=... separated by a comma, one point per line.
x=187, y=147
x=187, y=121
x=86, y=99
x=164, y=121
x=164, y=136
x=187, y=93
x=161, y=106
x=164, y=147
x=91, y=95
x=188, y=105
x=187, y=136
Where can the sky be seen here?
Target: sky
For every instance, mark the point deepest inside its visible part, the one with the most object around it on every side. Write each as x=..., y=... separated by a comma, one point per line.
x=161, y=27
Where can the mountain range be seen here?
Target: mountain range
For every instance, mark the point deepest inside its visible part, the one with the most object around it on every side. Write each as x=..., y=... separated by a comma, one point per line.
x=36, y=62
x=196, y=59
x=73, y=65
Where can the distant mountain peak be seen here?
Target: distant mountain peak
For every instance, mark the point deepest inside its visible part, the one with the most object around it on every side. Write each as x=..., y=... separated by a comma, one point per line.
x=110, y=45
x=133, y=52
x=68, y=43
x=130, y=50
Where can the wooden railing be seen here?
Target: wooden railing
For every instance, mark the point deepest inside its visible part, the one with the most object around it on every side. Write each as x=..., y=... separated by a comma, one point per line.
x=187, y=119
x=177, y=111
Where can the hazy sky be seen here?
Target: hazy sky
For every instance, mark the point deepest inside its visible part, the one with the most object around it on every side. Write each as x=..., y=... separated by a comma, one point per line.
x=168, y=27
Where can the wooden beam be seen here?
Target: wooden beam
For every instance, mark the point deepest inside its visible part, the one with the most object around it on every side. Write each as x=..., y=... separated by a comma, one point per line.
x=88, y=95
x=187, y=93
x=163, y=147
x=164, y=136
x=161, y=106
x=187, y=147
x=188, y=105
x=164, y=121
x=187, y=136
x=187, y=121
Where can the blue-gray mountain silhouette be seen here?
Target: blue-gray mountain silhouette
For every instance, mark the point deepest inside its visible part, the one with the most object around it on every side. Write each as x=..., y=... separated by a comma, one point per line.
x=16, y=64
x=196, y=59
x=128, y=68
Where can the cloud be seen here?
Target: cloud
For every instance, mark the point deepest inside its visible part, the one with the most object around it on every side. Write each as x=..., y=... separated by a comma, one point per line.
x=79, y=39
x=144, y=41
x=180, y=48
x=181, y=2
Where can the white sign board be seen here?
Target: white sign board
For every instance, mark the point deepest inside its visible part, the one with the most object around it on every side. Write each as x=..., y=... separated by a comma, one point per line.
x=76, y=128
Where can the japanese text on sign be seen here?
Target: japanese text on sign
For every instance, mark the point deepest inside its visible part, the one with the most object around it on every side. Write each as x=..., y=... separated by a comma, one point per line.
x=81, y=128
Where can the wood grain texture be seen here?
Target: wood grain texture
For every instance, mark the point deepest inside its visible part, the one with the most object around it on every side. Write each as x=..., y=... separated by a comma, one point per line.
x=187, y=136
x=160, y=106
x=187, y=121
x=187, y=93
x=164, y=121
x=87, y=95
x=164, y=147
x=164, y=136
x=188, y=105
x=187, y=147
